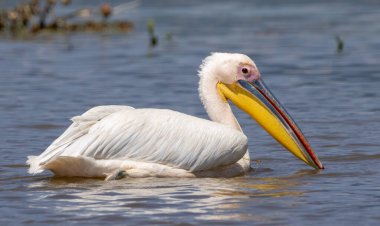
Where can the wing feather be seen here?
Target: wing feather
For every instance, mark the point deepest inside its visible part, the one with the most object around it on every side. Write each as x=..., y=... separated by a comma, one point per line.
x=149, y=135
x=79, y=128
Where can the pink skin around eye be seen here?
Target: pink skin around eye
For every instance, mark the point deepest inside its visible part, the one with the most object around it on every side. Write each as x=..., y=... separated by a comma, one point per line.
x=252, y=75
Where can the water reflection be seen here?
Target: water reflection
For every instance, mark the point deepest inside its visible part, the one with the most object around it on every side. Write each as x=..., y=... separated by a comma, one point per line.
x=208, y=198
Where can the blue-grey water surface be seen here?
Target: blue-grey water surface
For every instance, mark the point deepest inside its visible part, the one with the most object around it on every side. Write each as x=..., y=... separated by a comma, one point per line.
x=334, y=97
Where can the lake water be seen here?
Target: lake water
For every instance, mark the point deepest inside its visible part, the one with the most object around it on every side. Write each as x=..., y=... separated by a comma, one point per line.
x=334, y=97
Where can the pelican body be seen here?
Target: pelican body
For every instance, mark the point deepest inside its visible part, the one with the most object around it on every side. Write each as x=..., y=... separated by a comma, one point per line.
x=117, y=141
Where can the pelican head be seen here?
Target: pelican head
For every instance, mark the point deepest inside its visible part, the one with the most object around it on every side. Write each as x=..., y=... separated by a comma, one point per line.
x=235, y=77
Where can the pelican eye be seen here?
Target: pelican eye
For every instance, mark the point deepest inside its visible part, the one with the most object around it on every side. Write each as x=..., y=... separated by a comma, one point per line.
x=245, y=70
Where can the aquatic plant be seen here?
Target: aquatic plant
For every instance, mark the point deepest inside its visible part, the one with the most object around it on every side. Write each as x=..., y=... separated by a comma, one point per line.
x=339, y=44
x=169, y=36
x=153, y=39
x=35, y=16
x=106, y=11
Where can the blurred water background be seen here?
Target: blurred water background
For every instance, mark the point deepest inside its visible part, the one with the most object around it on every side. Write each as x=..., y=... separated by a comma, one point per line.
x=334, y=96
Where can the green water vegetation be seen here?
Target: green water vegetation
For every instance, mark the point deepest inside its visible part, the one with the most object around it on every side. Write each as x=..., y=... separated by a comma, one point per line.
x=339, y=44
x=37, y=16
x=169, y=36
x=153, y=39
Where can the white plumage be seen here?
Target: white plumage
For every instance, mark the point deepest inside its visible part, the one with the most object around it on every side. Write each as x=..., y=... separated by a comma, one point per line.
x=154, y=142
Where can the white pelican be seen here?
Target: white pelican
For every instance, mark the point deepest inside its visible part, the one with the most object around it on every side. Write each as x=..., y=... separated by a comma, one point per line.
x=116, y=141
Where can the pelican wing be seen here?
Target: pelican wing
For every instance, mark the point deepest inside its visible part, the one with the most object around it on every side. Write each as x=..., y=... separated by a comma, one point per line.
x=80, y=127
x=149, y=135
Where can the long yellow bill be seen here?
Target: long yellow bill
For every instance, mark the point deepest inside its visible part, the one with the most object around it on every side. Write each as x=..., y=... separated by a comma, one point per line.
x=257, y=101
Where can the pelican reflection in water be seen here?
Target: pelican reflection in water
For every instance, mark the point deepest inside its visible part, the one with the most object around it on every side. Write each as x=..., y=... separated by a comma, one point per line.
x=117, y=141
